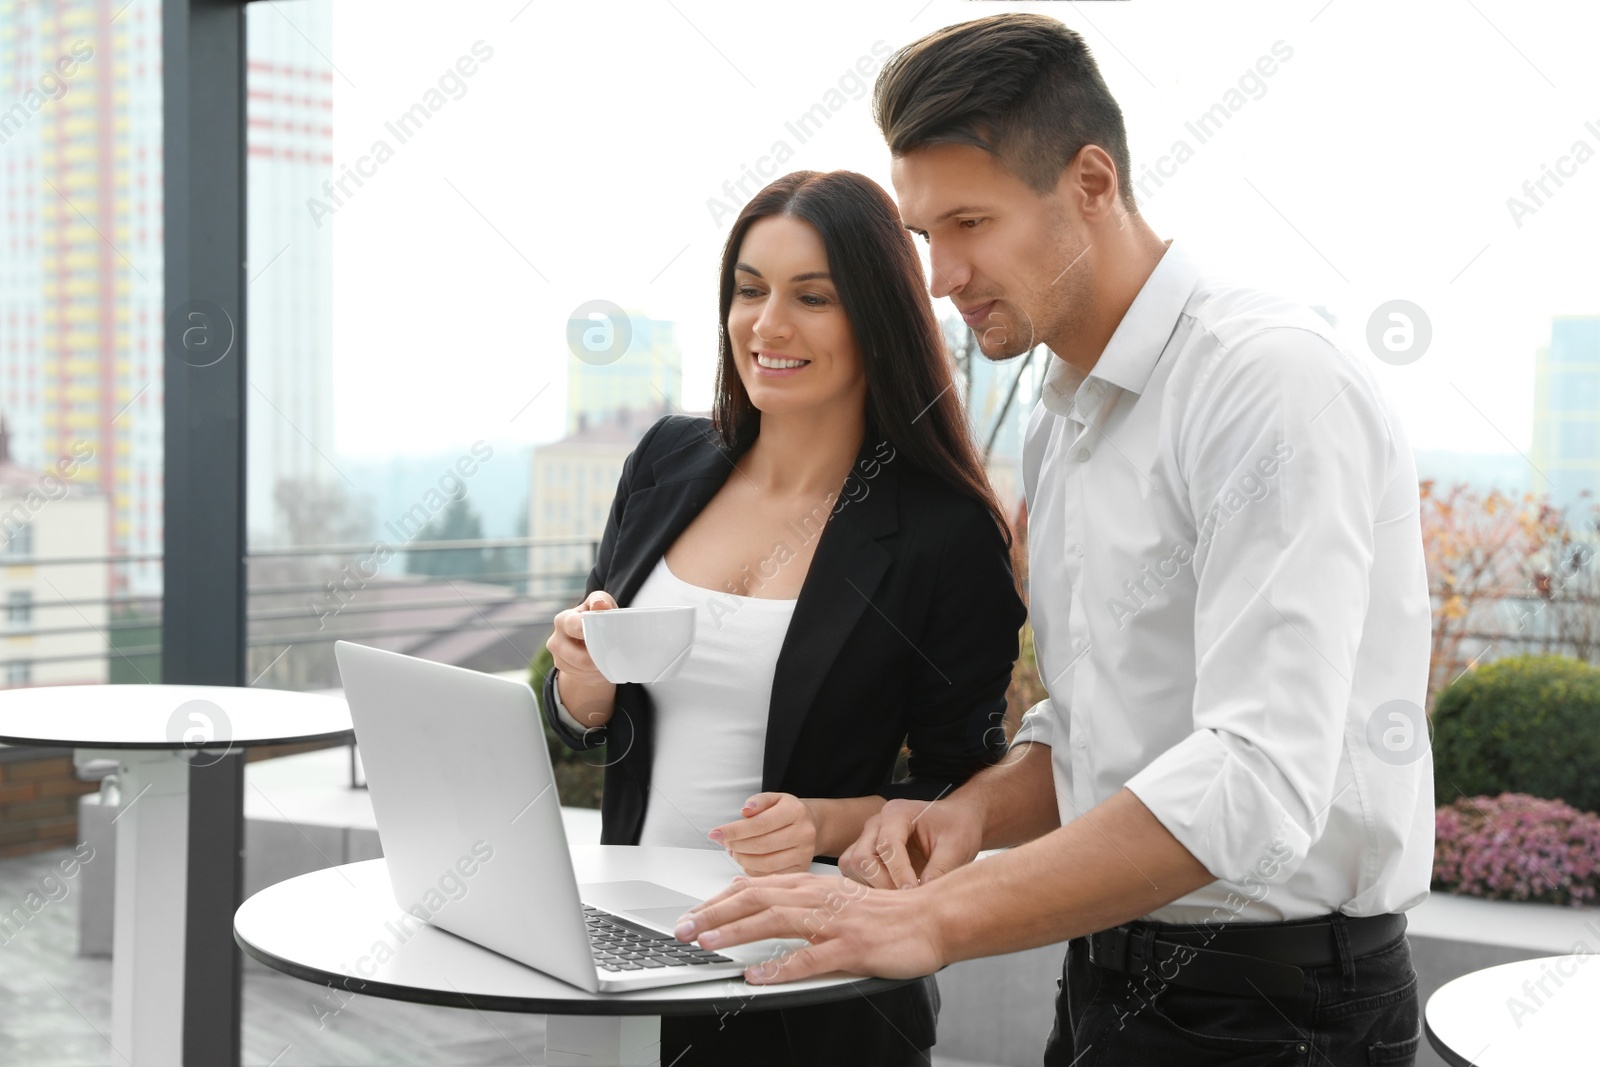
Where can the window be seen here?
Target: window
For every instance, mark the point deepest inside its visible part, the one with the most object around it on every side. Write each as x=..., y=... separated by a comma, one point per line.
x=1579, y=440
x=19, y=543
x=1575, y=340
x=1576, y=390
x=19, y=610
x=19, y=672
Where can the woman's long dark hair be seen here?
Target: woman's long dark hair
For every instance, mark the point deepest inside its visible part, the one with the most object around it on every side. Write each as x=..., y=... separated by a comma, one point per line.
x=911, y=397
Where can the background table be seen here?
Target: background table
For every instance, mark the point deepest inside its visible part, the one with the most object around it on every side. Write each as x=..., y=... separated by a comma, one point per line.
x=160, y=735
x=1503, y=1016
x=325, y=927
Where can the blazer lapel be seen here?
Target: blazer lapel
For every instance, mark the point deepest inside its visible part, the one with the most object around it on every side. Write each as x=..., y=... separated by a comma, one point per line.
x=685, y=481
x=846, y=569
x=845, y=572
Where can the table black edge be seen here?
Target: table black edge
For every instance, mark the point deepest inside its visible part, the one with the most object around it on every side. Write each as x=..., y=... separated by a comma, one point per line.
x=1446, y=1053
x=763, y=1002
x=177, y=746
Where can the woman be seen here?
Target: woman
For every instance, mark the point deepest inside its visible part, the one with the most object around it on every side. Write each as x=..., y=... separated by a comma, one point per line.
x=836, y=533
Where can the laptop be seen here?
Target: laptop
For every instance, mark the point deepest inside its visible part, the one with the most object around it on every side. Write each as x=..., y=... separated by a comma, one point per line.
x=467, y=811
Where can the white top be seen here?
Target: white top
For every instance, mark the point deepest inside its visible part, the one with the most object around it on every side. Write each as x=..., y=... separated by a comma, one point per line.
x=1229, y=602
x=711, y=716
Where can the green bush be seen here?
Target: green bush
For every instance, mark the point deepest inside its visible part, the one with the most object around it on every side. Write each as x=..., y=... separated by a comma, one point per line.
x=579, y=775
x=1524, y=724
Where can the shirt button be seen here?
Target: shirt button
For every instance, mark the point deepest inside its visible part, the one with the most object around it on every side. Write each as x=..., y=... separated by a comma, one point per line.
x=1077, y=549
x=1081, y=455
x=1080, y=740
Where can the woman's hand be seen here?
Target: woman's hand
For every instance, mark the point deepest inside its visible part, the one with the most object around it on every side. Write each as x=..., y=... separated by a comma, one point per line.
x=777, y=835
x=585, y=693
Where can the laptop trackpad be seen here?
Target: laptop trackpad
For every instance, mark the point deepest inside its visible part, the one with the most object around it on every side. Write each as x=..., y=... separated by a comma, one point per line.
x=654, y=905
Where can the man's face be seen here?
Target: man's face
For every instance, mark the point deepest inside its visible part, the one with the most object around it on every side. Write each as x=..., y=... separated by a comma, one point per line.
x=1013, y=262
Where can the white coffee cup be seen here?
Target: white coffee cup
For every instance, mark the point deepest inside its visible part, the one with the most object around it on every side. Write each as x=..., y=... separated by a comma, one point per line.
x=639, y=644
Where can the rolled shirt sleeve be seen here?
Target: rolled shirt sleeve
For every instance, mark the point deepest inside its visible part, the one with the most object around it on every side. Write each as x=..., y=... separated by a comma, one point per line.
x=1282, y=594
x=1038, y=725
x=1045, y=724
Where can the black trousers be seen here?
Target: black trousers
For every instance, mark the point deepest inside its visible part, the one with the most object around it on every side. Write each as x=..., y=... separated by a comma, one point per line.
x=1358, y=1011
x=893, y=1029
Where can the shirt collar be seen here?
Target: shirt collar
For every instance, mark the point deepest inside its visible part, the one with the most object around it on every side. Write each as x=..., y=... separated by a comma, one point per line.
x=1139, y=339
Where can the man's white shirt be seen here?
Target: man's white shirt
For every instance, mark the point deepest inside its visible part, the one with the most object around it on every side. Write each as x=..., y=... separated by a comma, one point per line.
x=1229, y=602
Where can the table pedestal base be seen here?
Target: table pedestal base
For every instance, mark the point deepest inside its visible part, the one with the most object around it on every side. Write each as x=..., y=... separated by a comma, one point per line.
x=152, y=879
x=585, y=1040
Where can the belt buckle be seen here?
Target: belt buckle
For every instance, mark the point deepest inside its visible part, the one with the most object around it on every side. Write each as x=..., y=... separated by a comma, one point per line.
x=1110, y=948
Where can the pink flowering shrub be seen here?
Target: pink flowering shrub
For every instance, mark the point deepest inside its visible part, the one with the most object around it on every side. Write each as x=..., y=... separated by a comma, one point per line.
x=1517, y=847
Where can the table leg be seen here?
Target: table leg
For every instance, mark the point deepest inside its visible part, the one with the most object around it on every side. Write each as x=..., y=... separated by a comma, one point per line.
x=152, y=824
x=585, y=1040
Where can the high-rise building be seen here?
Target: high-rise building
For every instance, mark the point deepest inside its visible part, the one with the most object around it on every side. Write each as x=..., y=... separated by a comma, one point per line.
x=290, y=312
x=644, y=376
x=1566, y=415
x=81, y=305
x=289, y=324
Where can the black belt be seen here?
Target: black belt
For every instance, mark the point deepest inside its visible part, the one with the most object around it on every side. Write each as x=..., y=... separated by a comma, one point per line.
x=1241, y=958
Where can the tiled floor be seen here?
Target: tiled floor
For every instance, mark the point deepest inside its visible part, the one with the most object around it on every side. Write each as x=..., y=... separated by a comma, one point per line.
x=58, y=1007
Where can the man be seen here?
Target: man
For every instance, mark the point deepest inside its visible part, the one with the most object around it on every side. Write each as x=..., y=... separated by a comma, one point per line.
x=1230, y=612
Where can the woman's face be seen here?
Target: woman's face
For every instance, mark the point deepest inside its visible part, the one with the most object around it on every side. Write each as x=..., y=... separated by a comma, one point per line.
x=791, y=341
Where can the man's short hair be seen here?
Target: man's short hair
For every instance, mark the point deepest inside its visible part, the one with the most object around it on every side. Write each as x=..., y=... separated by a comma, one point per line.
x=1022, y=87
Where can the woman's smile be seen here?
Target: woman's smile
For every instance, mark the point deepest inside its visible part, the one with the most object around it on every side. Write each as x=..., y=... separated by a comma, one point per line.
x=778, y=364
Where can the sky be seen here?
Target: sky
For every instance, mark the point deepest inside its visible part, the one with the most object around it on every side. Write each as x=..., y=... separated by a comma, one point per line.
x=580, y=158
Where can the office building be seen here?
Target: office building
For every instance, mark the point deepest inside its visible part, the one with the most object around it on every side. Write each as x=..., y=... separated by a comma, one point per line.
x=289, y=323
x=1566, y=416
x=53, y=631
x=574, y=480
x=647, y=375
x=81, y=268
x=82, y=307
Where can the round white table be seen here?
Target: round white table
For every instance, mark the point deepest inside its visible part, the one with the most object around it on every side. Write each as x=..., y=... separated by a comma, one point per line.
x=159, y=735
x=1529, y=1012
x=326, y=926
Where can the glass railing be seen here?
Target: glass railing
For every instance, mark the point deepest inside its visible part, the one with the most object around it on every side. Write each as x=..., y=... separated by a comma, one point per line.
x=485, y=603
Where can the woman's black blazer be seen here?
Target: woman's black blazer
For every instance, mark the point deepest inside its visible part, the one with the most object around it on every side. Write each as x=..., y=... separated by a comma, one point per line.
x=905, y=629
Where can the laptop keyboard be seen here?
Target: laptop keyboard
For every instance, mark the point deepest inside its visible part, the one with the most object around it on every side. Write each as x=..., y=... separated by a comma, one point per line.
x=621, y=946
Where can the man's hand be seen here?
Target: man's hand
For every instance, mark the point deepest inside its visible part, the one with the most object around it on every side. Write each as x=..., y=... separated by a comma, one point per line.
x=851, y=928
x=1113, y=863
x=914, y=841
x=777, y=835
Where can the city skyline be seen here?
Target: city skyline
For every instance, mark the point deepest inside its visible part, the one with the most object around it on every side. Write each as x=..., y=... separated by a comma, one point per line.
x=81, y=319
x=379, y=319
x=529, y=242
